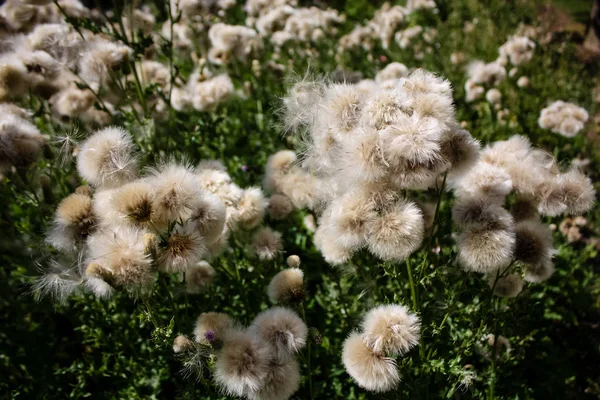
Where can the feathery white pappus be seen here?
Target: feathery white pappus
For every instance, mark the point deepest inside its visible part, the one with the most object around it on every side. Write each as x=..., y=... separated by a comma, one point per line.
x=391, y=329
x=121, y=252
x=106, y=158
x=184, y=247
x=74, y=221
x=214, y=322
x=372, y=371
x=282, y=330
x=564, y=118
x=287, y=285
x=266, y=243
x=242, y=364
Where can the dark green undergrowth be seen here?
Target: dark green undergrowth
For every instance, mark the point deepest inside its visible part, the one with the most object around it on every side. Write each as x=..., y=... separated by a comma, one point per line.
x=108, y=349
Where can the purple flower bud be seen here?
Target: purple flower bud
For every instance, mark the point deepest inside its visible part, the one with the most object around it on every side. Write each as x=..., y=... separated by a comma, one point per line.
x=209, y=335
x=244, y=168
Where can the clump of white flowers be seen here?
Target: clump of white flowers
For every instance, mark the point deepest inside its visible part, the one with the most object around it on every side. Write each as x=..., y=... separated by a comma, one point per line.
x=368, y=143
x=389, y=25
x=481, y=77
x=232, y=42
x=564, y=118
x=127, y=227
x=518, y=50
x=493, y=239
x=369, y=356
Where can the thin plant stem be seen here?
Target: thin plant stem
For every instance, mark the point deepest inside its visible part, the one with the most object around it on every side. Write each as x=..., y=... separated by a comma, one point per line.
x=150, y=312
x=66, y=16
x=440, y=192
x=415, y=300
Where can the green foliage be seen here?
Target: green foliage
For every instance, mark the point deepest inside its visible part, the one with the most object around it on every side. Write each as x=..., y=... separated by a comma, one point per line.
x=122, y=348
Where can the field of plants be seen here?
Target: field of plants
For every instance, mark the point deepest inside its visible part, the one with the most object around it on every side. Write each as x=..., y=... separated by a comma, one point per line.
x=287, y=199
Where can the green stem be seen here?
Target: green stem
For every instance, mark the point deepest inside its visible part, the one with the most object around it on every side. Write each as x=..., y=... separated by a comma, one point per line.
x=150, y=312
x=440, y=192
x=415, y=301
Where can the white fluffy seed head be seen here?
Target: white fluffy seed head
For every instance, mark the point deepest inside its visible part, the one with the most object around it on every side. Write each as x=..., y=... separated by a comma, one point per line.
x=208, y=216
x=183, y=248
x=350, y=216
x=176, y=191
x=392, y=71
x=106, y=158
x=391, y=329
x=484, y=180
x=485, y=250
x=293, y=261
x=480, y=213
x=252, y=208
x=325, y=241
x=277, y=166
x=280, y=206
x=281, y=382
x=212, y=322
x=282, y=330
x=397, y=232
x=534, y=244
x=181, y=344
x=132, y=204
x=461, y=150
x=122, y=253
x=74, y=221
x=287, y=286
x=372, y=371
x=242, y=364
x=266, y=243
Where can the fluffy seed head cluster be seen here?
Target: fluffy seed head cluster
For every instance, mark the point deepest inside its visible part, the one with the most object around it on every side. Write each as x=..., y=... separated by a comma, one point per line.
x=169, y=220
x=258, y=362
x=518, y=49
x=388, y=331
x=282, y=22
x=390, y=23
x=482, y=76
x=365, y=143
x=564, y=118
x=231, y=42
x=492, y=238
